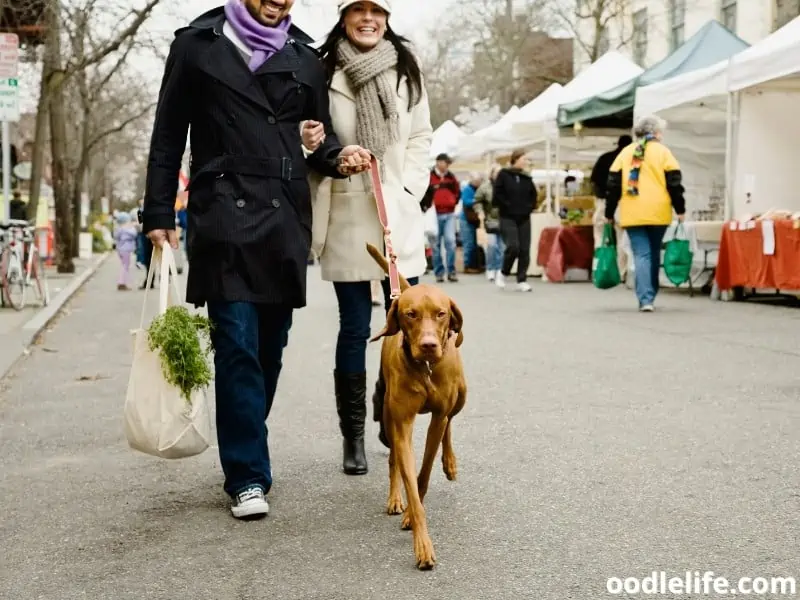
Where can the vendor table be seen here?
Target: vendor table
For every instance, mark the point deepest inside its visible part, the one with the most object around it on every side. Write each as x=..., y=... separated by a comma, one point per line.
x=743, y=262
x=565, y=247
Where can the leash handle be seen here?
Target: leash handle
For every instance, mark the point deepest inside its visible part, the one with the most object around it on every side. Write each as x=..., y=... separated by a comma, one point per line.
x=391, y=257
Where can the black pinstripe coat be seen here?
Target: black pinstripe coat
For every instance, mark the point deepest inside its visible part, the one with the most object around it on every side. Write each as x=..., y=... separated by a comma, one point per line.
x=249, y=207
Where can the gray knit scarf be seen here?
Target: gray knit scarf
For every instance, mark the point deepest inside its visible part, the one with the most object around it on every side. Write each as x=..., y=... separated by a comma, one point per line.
x=376, y=99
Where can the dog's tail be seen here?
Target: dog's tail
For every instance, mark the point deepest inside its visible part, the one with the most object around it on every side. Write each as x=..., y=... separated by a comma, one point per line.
x=381, y=260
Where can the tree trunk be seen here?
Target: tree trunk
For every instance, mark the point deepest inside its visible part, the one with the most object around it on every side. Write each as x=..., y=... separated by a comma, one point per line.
x=78, y=178
x=58, y=141
x=39, y=139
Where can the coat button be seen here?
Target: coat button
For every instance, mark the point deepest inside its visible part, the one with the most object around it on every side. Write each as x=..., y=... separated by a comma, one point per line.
x=271, y=120
x=240, y=203
x=276, y=203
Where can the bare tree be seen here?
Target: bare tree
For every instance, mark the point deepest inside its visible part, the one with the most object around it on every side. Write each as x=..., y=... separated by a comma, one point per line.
x=57, y=72
x=498, y=51
x=592, y=21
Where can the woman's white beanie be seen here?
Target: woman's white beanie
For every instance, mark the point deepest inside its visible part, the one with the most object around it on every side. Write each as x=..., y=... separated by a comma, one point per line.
x=384, y=4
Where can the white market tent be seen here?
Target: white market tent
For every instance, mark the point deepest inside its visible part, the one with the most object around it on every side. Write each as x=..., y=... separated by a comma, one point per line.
x=695, y=107
x=446, y=139
x=765, y=83
x=486, y=139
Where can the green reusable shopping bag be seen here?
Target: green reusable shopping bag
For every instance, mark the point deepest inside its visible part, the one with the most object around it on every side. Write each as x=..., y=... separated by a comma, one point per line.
x=605, y=274
x=678, y=257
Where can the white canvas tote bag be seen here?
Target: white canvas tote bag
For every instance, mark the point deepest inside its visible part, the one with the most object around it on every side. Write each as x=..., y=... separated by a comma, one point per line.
x=158, y=419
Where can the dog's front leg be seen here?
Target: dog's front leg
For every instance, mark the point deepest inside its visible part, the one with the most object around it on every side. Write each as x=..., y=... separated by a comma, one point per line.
x=401, y=433
x=394, y=505
x=435, y=432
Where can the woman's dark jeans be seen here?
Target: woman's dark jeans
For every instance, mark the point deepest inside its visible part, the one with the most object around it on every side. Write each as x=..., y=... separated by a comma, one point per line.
x=355, y=315
x=517, y=236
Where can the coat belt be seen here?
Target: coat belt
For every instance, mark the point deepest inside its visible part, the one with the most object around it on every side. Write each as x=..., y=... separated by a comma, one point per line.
x=269, y=168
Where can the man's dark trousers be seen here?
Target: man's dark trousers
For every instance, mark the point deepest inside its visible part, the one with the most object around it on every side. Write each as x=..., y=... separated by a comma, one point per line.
x=248, y=344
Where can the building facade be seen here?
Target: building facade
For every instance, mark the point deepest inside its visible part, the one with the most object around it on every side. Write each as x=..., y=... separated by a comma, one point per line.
x=649, y=30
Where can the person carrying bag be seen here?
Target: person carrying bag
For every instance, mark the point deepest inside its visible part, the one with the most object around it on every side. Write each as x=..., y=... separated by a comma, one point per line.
x=159, y=419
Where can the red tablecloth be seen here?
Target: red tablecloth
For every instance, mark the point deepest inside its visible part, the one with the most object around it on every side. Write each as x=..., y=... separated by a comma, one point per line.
x=742, y=262
x=562, y=248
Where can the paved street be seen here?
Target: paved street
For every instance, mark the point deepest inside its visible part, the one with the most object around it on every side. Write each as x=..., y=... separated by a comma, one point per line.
x=596, y=442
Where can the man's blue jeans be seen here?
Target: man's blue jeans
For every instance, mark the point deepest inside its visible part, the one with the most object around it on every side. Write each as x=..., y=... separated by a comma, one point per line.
x=646, y=247
x=447, y=234
x=496, y=250
x=248, y=344
x=355, y=316
x=469, y=239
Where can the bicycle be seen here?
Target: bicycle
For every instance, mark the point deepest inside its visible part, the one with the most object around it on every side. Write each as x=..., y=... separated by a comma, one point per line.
x=21, y=265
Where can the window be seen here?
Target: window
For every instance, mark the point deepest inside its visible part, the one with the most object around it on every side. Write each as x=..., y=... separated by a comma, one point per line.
x=728, y=14
x=640, y=36
x=785, y=11
x=677, y=17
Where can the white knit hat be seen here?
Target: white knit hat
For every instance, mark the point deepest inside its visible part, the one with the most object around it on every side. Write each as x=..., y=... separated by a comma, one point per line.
x=384, y=4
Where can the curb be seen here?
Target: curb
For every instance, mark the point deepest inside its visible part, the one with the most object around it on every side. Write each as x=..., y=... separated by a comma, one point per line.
x=30, y=330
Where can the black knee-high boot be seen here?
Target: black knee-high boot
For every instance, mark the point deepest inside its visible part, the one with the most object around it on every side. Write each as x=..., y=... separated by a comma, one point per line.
x=378, y=397
x=351, y=405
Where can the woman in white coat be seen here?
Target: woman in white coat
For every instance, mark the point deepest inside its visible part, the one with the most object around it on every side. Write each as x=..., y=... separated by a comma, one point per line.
x=377, y=96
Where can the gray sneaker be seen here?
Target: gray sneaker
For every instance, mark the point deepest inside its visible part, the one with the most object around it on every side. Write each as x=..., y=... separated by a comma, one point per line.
x=250, y=503
x=648, y=308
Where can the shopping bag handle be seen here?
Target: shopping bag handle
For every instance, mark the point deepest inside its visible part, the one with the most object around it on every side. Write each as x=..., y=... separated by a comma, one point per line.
x=679, y=229
x=165, y=258
x=608, y=235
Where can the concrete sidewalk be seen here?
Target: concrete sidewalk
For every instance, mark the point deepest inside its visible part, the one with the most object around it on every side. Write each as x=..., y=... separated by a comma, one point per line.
x=18, y=329
x=596, y=442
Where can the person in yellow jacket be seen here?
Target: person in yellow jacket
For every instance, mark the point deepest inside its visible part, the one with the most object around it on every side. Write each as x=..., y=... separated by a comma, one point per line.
x=645, y=182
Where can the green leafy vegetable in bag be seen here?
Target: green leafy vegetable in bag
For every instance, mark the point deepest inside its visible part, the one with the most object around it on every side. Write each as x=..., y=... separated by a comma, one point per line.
x=178, y=337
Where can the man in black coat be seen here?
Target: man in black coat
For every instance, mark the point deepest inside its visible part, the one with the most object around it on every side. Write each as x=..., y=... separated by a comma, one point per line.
x=244, y=79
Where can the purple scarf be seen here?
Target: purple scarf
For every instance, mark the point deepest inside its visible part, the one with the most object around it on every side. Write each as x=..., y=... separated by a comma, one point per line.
x=263, y=41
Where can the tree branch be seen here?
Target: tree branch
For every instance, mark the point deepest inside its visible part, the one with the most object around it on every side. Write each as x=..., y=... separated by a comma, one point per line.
x=120, y=127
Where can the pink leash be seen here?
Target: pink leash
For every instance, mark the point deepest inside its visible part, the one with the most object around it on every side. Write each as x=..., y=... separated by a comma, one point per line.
x=391, y=257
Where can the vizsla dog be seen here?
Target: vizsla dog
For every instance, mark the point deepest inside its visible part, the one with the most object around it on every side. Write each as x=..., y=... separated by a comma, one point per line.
x=423, y=373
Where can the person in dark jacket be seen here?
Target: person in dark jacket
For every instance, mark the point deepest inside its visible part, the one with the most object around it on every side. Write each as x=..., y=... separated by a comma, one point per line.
x=514, y=195
x=443, y=194
x=244, y=78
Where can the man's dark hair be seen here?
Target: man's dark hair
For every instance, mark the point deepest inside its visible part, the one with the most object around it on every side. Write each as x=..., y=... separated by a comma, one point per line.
x=407, y=63
x=624, y=140
x=445, y=158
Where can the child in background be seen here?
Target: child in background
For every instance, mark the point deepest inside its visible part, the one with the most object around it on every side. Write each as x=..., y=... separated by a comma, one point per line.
x=125, y=236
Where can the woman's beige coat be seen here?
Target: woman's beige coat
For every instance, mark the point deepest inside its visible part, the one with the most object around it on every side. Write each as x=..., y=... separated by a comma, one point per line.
x=345, y=215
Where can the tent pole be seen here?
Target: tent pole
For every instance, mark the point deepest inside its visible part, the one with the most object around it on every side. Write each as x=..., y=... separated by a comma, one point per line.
x=729, y=159
x=558, y=168
x=548, y=162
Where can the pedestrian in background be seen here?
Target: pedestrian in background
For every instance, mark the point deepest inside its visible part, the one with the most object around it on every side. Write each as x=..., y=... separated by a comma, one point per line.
x=443, y=194
x=645, y=181
x=495, y=247
x=377, y=101
x=599, y=179
x=243, y=78
x=126, y=235
x=469, y=223
x=514, y=194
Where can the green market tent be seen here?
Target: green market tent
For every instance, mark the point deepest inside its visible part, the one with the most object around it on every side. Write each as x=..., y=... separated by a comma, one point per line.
x=711, y=44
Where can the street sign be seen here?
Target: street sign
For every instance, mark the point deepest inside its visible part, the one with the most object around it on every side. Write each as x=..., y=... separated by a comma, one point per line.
x=9, y=100
x=9, y=55
x=9, y=106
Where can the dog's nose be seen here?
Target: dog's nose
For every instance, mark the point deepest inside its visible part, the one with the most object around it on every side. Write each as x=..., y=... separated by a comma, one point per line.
x=429, y=344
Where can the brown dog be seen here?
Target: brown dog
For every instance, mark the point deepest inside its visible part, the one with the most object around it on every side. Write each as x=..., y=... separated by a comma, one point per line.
x=422, y=369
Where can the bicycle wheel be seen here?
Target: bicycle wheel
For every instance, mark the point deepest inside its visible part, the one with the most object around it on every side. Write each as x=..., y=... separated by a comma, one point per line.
x=13, y=279
x=38, y=280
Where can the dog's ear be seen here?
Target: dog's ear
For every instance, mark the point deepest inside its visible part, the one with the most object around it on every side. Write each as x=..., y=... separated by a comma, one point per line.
x=456, y=322
x=392, y=326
